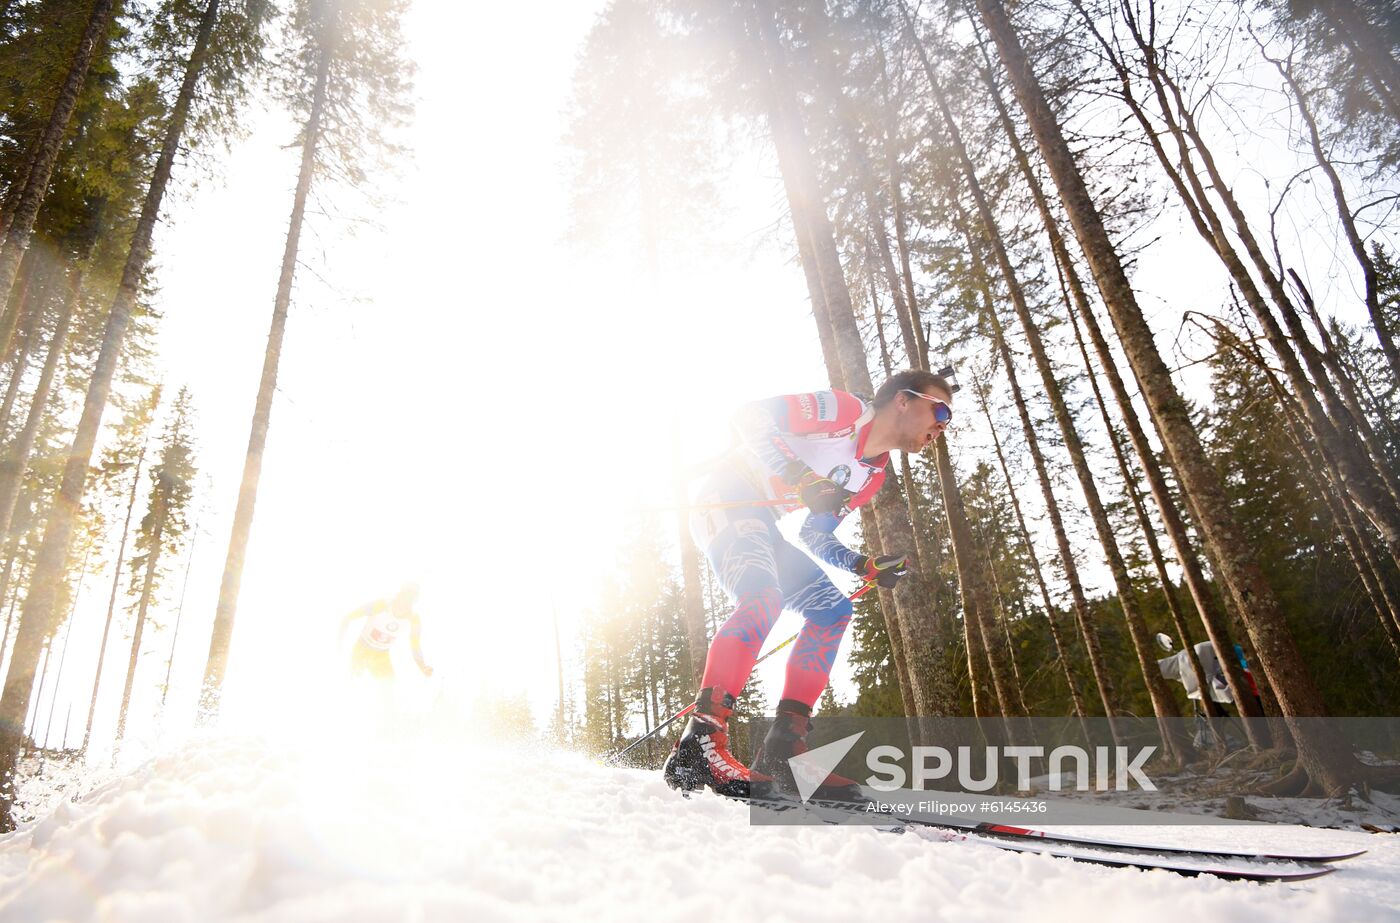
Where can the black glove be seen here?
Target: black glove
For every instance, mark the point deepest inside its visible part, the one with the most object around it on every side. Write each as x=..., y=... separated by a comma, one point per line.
x=885, y=570
x=821, y=495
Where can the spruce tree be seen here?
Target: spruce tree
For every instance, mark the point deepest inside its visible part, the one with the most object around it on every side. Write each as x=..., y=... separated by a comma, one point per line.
x=162, y=530
x=343, y=75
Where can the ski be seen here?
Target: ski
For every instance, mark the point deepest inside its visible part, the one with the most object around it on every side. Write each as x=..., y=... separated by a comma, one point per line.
x=1063, y=839
x=1247, y=871
x=1233, y=866
x=1014, y=833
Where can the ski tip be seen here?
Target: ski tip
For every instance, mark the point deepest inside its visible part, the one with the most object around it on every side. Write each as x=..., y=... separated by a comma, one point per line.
x=1257, y=876
x=1312, y=860
x=1287, y=877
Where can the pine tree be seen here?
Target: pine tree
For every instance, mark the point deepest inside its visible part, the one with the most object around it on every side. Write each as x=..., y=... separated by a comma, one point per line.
x=1349, y=48
x=1323, y=758
x=44, y=154
x=40, y=606
x=122, y=461
x=162, y=529
x=344, y=77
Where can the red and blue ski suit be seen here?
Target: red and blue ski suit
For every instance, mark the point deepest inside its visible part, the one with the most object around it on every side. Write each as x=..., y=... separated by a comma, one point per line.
x=760, y=570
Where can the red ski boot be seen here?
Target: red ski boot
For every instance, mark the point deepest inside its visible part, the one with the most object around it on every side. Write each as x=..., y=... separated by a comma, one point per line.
x=701, y=758
x=788, y=738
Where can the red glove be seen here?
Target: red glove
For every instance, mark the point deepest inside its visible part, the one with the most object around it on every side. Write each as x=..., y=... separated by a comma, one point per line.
x=885, y=570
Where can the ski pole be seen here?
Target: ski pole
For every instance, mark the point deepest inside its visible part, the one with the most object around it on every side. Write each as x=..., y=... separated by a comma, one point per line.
x=691, y=707
x=684, y=711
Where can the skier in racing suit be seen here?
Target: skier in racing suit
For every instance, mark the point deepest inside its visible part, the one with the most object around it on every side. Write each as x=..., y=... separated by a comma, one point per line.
x=825, y=450
x=384, y=619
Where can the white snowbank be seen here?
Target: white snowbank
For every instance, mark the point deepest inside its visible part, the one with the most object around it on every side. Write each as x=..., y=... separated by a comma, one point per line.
x=421, y=828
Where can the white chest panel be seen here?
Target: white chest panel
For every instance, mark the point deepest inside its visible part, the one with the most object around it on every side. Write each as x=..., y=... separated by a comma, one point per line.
x=834, y=458
x=380, y=630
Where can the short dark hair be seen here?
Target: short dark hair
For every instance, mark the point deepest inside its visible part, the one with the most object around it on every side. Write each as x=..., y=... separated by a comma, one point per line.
x=911, y=379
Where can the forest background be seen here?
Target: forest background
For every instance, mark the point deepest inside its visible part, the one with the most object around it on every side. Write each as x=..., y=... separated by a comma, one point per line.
x=653, y=223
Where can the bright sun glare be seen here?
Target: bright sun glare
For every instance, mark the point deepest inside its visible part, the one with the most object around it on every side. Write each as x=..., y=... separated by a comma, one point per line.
x=466, y=399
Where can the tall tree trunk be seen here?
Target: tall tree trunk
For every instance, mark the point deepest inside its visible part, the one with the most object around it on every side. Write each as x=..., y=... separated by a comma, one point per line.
x=13, y=597
x=262, y=410
x=32, y=718
x=806, y=255
x=1212, y=617
x=693, y=605
x=895, y=181
x=917, y=519
x=984, y=613
x=180, y=614
x=1002, y=622
x=16, y=191
x=11, y=555
x=885, y=597
x=1323, y=755
x=918, y=351
x=1348, y=220
x=972, y=579
x=920, y=628
x=836, y=375
x=1062, y=650
x=37, y=617
x=112, y=596
x=63, y=658
x=1327, y=484
x=14, y=307
x=1378, y=589
x=889, y=619
x=846, y=124
x=16, y=457
x=31, y=303
x=979, y=679
x=559, y=667
x=1334, y=435
x=648, y=690
x=1088, y=630
x=874, y=209
x=1149, y=532
x=36, y=184
x=1347, y=383
x=1163, y=704
x=57, y=683
x=1214, y=620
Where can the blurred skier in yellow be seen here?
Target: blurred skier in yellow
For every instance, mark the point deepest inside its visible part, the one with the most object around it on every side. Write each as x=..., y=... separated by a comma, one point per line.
x=384, y=619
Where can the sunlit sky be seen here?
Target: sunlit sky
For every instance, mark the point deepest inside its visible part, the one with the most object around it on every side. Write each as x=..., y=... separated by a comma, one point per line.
x=465, y=399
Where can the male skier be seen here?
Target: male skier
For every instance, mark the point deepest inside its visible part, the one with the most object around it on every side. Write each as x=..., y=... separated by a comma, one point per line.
x=825, y=450
x=383, y=621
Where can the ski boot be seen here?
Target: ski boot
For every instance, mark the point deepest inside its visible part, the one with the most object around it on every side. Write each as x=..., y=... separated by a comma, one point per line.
x=701, y=758
x=788, y=738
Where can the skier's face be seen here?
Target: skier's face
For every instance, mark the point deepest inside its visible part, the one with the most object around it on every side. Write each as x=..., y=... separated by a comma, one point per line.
x=924, y=415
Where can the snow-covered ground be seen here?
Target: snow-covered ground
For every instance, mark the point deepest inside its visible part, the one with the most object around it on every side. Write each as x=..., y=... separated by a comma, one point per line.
x=421, y=825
